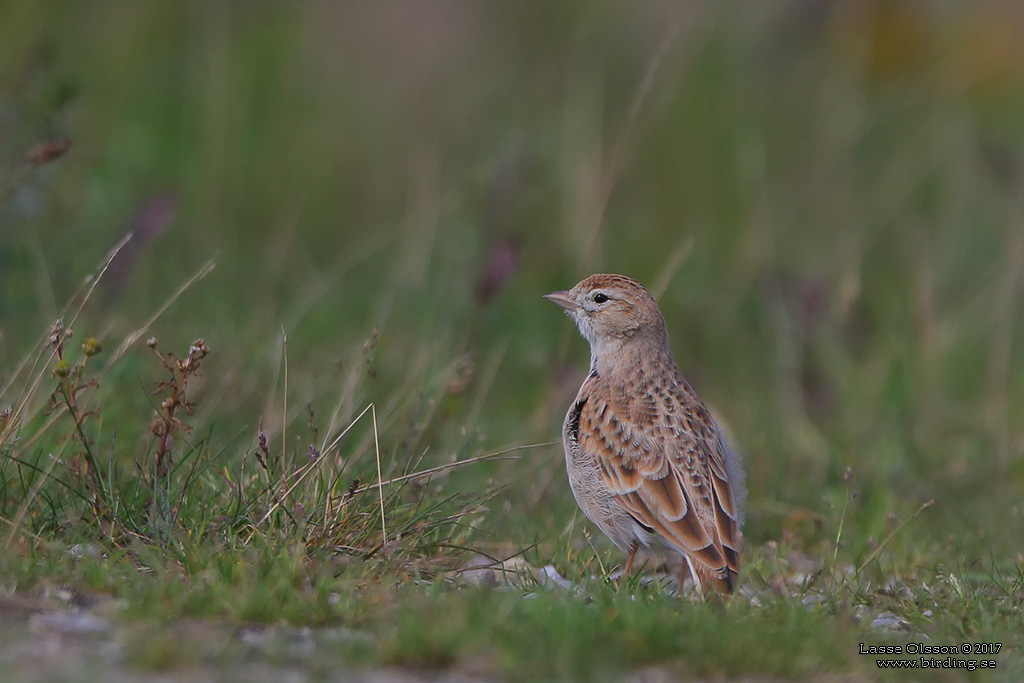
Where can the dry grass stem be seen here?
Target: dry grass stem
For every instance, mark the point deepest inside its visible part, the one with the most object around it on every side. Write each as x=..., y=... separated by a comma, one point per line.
x=380, y=476
x=499, y=455
x=134, y=336
x=877, y=551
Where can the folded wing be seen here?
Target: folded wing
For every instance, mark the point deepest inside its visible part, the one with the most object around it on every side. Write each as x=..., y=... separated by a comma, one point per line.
x=667, y=468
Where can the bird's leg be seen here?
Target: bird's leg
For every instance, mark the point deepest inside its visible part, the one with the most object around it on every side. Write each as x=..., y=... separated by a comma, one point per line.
x=688, y=569
x=629, y=559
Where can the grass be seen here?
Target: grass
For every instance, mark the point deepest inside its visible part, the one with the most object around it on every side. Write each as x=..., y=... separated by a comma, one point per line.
x=342, y=221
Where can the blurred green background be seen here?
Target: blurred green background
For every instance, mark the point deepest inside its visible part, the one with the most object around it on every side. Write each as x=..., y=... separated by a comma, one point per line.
x=825, y=196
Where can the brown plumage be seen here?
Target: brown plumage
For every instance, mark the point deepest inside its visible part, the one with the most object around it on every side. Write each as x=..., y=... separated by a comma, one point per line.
x=647, y=463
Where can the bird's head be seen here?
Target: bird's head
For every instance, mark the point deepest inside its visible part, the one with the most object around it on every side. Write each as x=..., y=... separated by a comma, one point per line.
x=612, y=310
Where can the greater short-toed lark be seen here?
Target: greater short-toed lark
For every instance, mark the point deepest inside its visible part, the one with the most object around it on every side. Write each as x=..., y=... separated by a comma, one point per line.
x=647, y=462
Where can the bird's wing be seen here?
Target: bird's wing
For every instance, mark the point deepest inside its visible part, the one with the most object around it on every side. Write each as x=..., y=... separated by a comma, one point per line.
x=662, y=458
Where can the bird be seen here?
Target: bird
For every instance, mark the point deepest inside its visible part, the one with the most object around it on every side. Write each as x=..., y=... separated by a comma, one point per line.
x=647, y=462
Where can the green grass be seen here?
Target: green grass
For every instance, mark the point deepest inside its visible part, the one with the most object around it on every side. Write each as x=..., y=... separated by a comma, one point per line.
x=826, y=204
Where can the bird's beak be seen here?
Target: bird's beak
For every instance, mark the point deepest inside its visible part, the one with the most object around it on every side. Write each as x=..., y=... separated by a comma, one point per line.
x=563, y=299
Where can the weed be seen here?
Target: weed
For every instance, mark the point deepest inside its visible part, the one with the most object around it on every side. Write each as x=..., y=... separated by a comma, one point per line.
x=166, y=423
x=71, y=382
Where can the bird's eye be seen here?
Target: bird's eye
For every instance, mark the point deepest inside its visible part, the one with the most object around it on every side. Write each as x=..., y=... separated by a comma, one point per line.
x=600, y=298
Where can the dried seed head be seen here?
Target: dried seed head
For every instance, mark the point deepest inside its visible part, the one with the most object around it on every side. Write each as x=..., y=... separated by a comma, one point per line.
x=56, y=332
x=46, y=152
x=151, y=342
x=199, y=349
